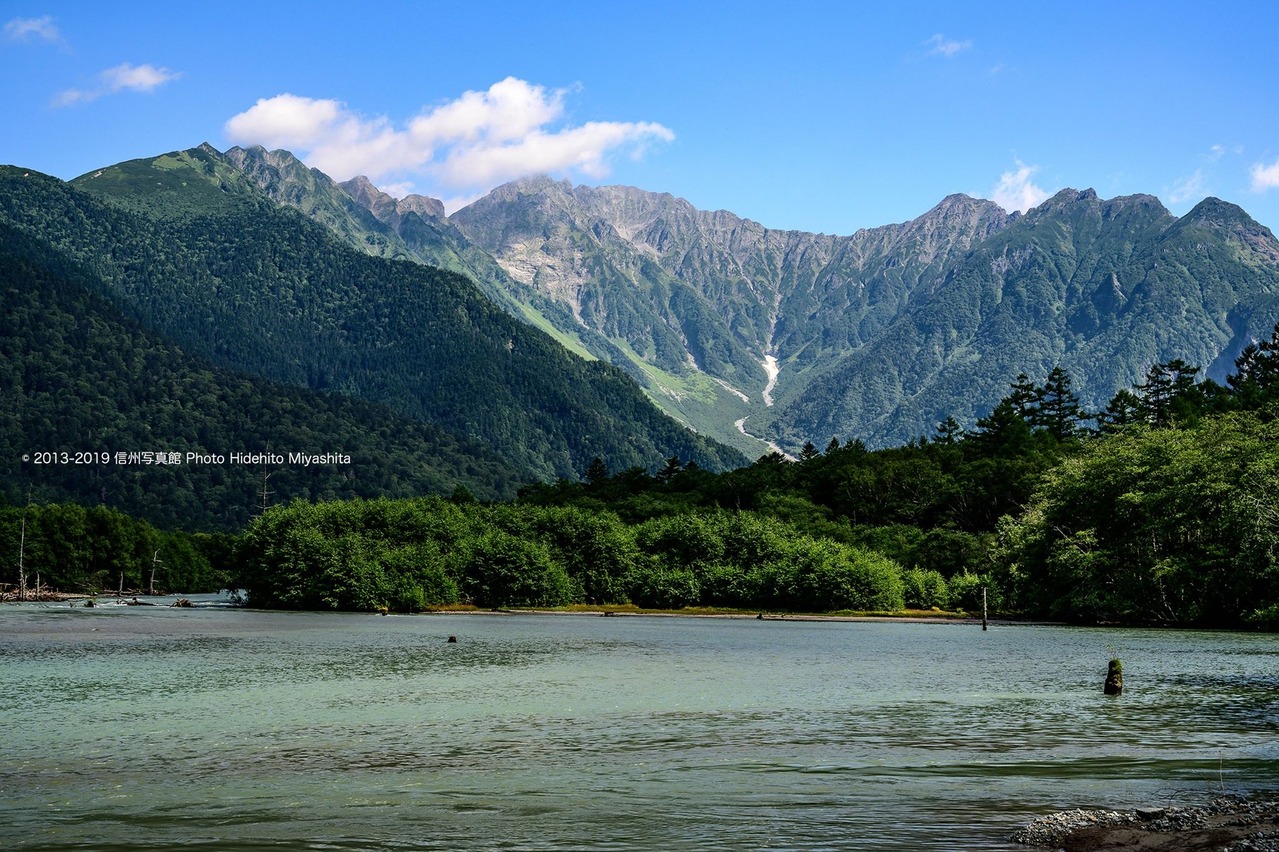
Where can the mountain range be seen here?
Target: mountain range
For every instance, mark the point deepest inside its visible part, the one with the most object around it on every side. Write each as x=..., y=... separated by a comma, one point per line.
x=732, y=327
x=185, y=261
x=546, y=324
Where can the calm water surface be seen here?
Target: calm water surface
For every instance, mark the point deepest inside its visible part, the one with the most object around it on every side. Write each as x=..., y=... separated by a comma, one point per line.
x=150, y=728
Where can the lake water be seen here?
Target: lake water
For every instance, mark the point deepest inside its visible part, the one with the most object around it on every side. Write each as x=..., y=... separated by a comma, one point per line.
x=152, y=728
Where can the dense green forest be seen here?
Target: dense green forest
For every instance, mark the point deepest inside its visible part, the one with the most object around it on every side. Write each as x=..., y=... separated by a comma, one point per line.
x=86, y=379
x=416, y=553
x=66, y=547
x=1164, y=512
x=1162, y=509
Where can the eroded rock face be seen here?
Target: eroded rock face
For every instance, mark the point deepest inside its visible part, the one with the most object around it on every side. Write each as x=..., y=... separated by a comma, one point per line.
x=708, y=288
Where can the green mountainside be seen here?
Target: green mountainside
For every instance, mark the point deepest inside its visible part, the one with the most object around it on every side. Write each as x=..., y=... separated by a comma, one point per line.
x=82, y=378
x=1102, y=288
x=711, y=299
x=882, y=334
x=732, y=327
x=189, y=247
x=416, y=228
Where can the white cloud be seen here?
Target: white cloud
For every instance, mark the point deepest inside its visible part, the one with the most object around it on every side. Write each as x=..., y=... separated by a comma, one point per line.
x=508, y=111
x=461, y=148
x=1265, y=177
x=122, y=77
x=140, y=78
x=584, y=149
x=31, y=29
x=947, y=47
x=1015, y=190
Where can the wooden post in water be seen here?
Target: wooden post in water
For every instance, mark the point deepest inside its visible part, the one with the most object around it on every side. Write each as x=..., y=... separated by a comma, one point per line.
x=983, y=607
x=1114, y=678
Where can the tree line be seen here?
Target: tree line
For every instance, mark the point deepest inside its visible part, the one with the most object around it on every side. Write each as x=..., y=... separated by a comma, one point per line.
x=71, y=548
x=1160, y=509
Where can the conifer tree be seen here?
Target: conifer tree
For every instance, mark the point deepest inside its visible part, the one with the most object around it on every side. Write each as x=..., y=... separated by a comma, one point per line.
x=948, y=431
x=1166, y=385
x=1004, y=432
x=1024, y=397
x=1256, y=379
x=672, y=468
x=1123, y=409
x=1057, y=409
x=597, y=471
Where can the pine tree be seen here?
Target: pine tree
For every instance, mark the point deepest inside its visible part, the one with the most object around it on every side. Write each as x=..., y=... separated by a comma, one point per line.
x=1004, y=432
x=1256, y=379
x=1024, y=397
x=597, y=472
x=1057, y=409
x=1123, y=409
x=949, y=431
x=1169, y=393
x=672, y=468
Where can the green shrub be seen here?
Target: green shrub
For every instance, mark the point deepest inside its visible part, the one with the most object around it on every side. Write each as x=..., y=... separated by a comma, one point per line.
x=925, y=589
x=830, y=577
x=665, y=589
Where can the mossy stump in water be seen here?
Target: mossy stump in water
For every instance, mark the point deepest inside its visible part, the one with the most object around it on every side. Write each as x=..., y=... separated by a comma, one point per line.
x=1115, y=678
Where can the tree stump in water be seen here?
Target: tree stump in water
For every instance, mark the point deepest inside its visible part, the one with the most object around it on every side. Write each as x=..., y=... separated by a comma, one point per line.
x=1114, y=678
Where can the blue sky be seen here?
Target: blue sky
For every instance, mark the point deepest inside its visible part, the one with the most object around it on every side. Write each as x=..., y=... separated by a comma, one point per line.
x=816, y=116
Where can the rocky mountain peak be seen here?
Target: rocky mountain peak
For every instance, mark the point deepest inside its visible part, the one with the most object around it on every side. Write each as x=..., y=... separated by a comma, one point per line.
x=422, y=205
x=1064, y=198
x=257, y=156
x=963, y=210
x=362, y=190
x=385, y=206
x=1214, y=211
x=281, y=175
x=1234, y=223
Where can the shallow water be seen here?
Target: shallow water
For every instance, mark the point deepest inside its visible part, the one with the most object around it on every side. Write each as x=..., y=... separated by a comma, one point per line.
x=150, y=728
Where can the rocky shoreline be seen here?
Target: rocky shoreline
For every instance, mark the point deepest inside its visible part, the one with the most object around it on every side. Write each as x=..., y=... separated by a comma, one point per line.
x=1226, y=824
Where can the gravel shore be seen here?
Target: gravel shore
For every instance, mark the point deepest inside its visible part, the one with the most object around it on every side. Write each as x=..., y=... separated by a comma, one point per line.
x=1227, y=824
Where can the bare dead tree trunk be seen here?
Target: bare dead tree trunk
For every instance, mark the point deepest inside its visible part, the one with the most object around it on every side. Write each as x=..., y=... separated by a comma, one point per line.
x=22, y=569
x=155, y=560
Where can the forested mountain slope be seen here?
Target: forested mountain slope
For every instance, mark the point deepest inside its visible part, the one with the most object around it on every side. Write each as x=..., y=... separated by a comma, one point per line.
x=416, y=228
x=190, y=248
x=733, y=327
x=880, y=334
x=82, y=379
x=1103, y=288
x=708, y=303
x=873, y=335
